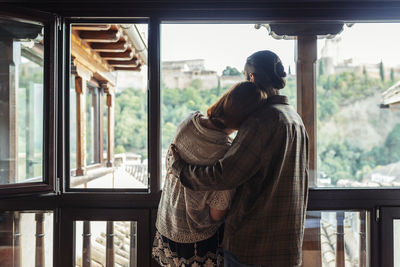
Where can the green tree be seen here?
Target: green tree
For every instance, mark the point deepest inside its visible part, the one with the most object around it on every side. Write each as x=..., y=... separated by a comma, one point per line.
x=392, y=75
x=381, y=71
x=230, y=71
x=320, y=68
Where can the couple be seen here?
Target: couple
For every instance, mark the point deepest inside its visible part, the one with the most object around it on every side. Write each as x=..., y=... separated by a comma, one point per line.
x=259, y=181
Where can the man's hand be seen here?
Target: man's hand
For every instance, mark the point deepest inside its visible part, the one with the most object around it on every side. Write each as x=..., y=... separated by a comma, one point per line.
x=174, y=160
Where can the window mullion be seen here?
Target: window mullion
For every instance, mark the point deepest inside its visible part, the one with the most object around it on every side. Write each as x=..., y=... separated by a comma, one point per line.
x=306, y=57
x=154, y=134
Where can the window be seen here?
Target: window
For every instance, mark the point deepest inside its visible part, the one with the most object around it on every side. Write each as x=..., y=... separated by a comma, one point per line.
x=26, y=238
x=112, y=117
x=108, y=111
x=338, y=238
x=358, y=123
x=105, y=243
x=21, y=102
x=197, y=68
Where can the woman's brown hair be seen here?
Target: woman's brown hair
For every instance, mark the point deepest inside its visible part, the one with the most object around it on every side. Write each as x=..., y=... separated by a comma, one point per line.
x=235, y=105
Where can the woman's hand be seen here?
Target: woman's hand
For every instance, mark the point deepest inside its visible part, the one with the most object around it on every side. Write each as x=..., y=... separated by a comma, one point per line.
x=174, y=160
x=217, y=215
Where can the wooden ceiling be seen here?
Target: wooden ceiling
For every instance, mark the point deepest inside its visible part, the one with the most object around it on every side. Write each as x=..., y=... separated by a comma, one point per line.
x=110, y=42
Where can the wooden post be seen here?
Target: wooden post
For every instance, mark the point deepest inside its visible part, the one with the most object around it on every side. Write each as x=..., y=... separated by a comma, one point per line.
x=9, y=60
x=6, y=239
x=101, y=125
x=17, y=239
x=306, y=58
x=340, y=257
x=363, y=239
x=86, y=255
x=312, y=254
x=80, y=88
x=39, y=249
x=133, y=250
x=110, y=244
x=110, y=129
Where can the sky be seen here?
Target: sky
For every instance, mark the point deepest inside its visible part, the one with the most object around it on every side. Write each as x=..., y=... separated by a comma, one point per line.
x=222, y=45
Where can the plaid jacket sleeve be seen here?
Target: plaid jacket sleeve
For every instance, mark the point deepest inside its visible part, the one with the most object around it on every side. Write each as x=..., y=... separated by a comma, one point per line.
x=238, y=165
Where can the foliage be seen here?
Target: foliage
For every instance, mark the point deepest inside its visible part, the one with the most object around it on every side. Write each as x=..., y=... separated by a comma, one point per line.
x=338, y=158
x=382, y=71
x=131, y=122
x=230, y=71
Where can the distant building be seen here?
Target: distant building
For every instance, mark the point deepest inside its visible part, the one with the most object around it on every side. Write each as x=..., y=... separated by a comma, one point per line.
x=180, y=74
x=333, y=63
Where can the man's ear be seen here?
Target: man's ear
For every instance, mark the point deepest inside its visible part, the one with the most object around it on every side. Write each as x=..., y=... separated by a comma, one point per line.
x=252, y=77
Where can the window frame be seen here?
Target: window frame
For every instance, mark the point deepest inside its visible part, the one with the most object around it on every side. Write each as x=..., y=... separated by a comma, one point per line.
x=50, y=25
x=150, y=121
x=67, y=229
x=319, y=199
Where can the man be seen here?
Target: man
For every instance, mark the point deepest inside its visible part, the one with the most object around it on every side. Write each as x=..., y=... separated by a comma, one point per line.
x=268, y=165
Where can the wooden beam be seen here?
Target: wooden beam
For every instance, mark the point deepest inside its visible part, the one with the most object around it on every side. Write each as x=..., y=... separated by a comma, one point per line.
x=86, y=246
x=80, y=88
x=340, y=249
x=114, y=27
x=39, y=249
x=17, y=239
x=110, y=244
x=133, y=63
x=91, y=27
x=132, y=245
x=306, y=96
x=128, y=69
x=127, y=55
x=110, y=128
x=91, y=60
x=6, y=239
x=120, y=46
x=100, y=36
x=363, y=238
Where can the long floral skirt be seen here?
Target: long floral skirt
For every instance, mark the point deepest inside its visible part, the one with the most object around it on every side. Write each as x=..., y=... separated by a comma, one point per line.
x=206, y=253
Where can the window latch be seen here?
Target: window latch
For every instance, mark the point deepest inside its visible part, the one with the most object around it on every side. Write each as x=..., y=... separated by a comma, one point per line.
x=377, y=214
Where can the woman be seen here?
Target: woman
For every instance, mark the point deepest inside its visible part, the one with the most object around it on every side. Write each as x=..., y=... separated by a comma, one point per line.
x=187, y=221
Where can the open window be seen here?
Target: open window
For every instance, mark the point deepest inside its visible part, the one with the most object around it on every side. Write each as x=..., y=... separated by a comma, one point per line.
x=27, y=114
x=108, y=111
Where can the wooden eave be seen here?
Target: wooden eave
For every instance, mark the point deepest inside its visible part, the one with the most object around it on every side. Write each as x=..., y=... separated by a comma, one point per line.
x=102, y=49
x=84, y=56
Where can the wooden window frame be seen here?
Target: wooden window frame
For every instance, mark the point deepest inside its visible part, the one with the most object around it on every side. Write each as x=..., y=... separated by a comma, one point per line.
x=48, y=183
x=70, y=215
x=372, y=200
x=152, y=130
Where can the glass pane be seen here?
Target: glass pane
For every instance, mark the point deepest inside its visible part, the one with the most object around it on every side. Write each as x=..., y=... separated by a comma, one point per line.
x=358, y=115
x=108, y=106
x=21, y=101
x=26, y=238
x=396, y=245
x=201, y=61
x=92, y=126
x=72, y=125
x=100, y=243
x=336, y=238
